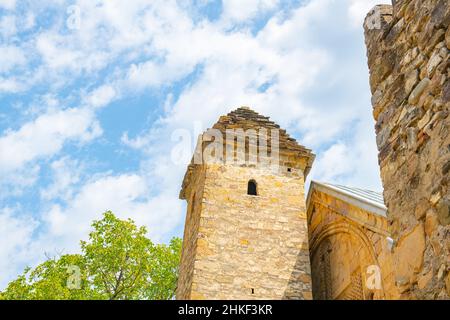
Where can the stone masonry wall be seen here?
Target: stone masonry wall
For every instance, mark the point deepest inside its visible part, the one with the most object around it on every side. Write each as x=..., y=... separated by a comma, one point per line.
x=192, y=225
x=408, y=56
x=249, y=247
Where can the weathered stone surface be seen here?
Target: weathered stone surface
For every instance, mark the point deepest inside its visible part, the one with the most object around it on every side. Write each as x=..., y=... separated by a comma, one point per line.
x=446, y=168
x=414, y=159
x=447, y=283
x=443, y=211
x=412, y=78
x=421, y=208
x=418, y=90
x=424, y=121
x=447, y=38
x=408, y=255
x=431, y=222
x=434, y=61
x=424, y=280
x=441, y=272
x=412, y=137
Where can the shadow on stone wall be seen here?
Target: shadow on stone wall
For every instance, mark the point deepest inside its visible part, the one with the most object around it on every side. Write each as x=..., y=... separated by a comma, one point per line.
x=299, y=286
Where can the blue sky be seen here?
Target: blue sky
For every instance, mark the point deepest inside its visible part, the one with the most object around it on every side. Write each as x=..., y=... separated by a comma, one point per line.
x=93, y=93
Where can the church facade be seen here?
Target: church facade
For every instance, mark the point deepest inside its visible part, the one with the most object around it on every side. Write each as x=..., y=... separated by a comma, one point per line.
x=350, y=244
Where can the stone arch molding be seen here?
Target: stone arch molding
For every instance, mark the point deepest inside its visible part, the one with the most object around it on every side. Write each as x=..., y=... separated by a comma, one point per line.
x=345, y=227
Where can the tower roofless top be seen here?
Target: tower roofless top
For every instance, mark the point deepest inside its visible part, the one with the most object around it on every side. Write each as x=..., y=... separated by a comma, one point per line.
x=247, y=119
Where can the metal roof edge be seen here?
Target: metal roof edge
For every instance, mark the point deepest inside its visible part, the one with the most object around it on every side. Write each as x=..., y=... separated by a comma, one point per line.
x=361, y=202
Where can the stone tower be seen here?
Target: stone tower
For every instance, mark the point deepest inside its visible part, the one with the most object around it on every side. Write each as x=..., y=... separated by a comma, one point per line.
x=408, y=46
x=246, y=233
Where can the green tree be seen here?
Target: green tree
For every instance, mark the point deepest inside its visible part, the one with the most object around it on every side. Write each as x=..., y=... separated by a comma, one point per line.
x=117, y=262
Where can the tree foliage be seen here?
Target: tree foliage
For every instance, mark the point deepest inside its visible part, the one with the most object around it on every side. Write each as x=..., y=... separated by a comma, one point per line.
x=117, y=262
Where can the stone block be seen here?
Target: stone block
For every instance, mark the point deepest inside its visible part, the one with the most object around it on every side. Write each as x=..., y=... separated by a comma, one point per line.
x=447, y=283
x=409, y=253
x=431, y=222
x=411, y=80
x=443, y=211
x=418, y=90
x=424, y=280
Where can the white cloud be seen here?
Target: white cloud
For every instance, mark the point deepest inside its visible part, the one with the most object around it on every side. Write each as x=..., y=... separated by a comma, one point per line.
x=10, y=85
x=101, y=96
x=15, y=237
x=11, y=57
x=8, y=26
x=334, y=162
x=8, y=4
x=127, y=195
x=284, y=55
x=66, y=173
x=45, y=136
x=55, y=52
x=138, y=143
x=14, y=183
x=353, y=162
x=29, y=21
x=240, y=11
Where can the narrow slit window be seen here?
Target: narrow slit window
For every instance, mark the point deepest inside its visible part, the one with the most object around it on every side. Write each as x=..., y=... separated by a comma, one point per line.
x=251, y=188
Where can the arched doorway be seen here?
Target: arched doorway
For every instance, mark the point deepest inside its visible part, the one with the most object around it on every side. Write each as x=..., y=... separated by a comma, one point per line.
x=340, y=256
